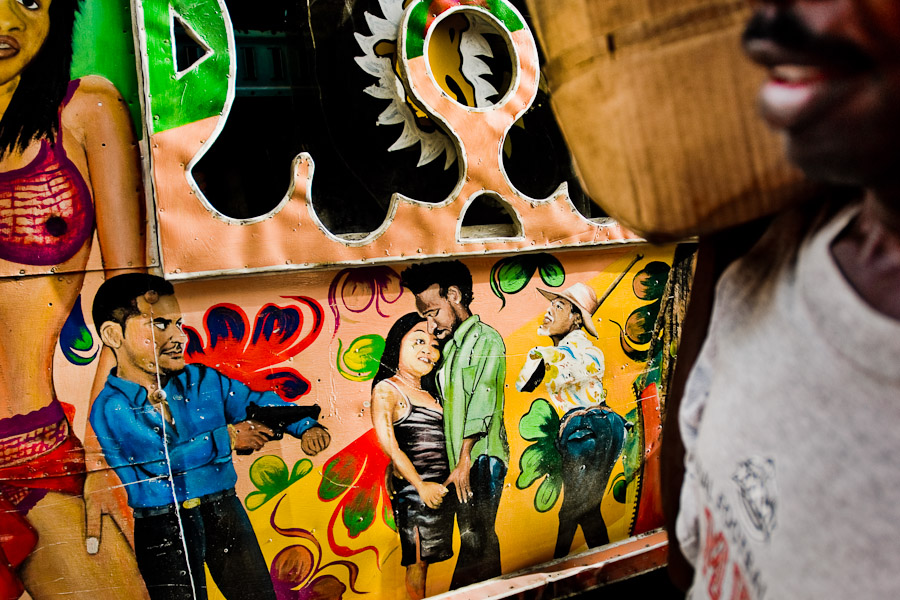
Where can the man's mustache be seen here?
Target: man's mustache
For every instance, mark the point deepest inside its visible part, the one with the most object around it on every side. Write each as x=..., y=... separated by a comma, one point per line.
x=784, y=28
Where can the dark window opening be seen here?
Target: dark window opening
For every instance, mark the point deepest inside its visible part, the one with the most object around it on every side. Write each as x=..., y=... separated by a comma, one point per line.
x=247, y=63
x=487, y=216
x=300, y=87
x=187, y=50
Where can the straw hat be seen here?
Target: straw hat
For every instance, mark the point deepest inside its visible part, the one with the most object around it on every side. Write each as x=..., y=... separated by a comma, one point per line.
x=583, y=298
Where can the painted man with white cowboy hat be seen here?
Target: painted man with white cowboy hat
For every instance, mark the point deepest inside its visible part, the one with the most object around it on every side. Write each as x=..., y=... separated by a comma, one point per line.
x=573, y=366
x=591, y=436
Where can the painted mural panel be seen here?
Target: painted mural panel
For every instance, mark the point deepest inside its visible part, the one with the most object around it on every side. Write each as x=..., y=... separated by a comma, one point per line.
x=437, y=440
x=71, y=205
x=326, y=432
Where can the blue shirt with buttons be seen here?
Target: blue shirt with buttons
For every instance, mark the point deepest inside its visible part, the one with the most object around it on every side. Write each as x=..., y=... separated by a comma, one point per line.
x=134, y=435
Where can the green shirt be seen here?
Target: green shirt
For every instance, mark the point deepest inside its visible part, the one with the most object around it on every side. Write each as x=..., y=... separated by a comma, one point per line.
x=471, y=379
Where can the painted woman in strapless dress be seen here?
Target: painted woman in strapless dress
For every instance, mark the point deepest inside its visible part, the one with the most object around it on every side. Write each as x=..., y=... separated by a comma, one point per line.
x=409, y=424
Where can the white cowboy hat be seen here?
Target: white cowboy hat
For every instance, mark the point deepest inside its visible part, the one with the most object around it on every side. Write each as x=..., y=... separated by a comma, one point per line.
x=583, y=298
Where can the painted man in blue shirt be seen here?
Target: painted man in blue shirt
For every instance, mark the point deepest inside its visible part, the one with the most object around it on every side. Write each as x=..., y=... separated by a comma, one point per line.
x=168, y=429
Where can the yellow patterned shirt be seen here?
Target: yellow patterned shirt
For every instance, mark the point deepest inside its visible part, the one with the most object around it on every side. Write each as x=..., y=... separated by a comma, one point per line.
x=573, y=372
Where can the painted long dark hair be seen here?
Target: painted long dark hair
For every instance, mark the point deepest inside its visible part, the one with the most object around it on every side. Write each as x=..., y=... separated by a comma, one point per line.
x=33, y=111
x=390, y=360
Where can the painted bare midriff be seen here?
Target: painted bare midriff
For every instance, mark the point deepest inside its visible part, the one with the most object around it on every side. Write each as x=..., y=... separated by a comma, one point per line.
x=35, y=303
x=33, y=311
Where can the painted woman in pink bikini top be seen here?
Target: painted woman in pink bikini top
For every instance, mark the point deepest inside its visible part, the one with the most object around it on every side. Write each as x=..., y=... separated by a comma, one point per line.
x=46, y=210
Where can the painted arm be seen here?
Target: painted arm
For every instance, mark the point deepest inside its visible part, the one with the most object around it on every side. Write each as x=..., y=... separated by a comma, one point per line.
x=100, y=118
x=459, y=477
x=487, y=396
x=313, y=437
x=384, y=404
x=532, y=372
x=488, y=383
x=104, y=493
x=113, y=161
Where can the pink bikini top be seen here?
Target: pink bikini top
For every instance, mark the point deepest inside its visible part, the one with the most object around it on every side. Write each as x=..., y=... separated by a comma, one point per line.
x=46, y=210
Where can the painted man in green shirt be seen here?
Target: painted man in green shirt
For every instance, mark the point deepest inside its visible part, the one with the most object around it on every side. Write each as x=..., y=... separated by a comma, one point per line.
x=471, y=379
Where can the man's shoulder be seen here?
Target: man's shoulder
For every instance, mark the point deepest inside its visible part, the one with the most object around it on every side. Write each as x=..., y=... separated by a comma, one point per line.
x=109, y=393
x=486, y=333
x=111, y=401
x=579, y=340
x=199, y=371
x=115, y=391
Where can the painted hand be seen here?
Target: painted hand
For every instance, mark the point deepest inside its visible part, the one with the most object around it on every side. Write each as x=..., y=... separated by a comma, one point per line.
x=249, y=435
x=314, y=440
x=460, y=478
x=432, y=493
x=105, y=495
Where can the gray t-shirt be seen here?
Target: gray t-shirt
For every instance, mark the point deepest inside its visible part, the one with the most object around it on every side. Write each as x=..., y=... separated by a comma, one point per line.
x=791, y=422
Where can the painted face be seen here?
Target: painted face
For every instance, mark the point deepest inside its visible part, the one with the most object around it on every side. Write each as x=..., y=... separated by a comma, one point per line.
x=561, y=318
x=418, y=351
x=834, y=83
x=438, y=311
x=147, y=336
x=23, y=30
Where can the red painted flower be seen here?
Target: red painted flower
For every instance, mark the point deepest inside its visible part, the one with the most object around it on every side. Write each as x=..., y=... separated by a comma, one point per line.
x=278, y=334
x=358, y=474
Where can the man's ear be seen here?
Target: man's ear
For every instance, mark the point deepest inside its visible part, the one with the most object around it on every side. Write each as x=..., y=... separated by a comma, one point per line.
x=454, y=295
x=112, y=334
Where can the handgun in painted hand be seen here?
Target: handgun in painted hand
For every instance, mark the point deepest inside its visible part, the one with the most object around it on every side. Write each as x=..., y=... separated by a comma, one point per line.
x=279, y=418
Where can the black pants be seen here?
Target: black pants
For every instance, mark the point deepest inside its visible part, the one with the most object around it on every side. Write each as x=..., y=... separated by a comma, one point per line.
x=589, y=445
x=479, y=547
x=217, y=533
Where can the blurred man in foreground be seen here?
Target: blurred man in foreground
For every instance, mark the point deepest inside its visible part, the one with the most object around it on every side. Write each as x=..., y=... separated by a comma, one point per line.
x=790, y=413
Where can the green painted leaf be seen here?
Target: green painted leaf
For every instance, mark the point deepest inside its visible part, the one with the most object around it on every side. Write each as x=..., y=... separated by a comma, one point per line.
x=633, y=450
x=301, y=469
x=256, y=499
x=269, y=474
x=551, y=271
x=541, y=421
x=531, y=464
x=359, y=513
x=618, y=489
x=514, y=274
x=495, y=283
x=640, y=323
x=650, y=282
x=538, y=460
x=362, y=358
x=75, y=338
x=338, y=475
x=547, y=493
x=388, y=516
